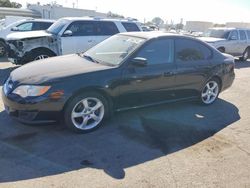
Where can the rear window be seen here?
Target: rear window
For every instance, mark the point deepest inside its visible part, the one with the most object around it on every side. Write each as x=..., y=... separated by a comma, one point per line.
x=130, y=26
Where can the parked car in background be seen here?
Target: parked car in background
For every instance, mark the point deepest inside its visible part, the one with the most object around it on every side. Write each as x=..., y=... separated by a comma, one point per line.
x=230, y=40
x=128, y=70
x=21, y=26
x=66, y=36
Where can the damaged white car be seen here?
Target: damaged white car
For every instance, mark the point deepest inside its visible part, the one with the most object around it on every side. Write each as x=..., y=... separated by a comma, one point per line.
x=66, y=36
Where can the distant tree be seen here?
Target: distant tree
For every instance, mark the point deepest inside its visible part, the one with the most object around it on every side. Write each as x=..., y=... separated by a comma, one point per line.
x=114, y=15
x=179, y=26
x=158, y=21
x=219, y=25
x=7, y=3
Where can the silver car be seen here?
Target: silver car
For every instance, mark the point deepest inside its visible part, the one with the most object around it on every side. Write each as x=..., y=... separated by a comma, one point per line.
x=230, y=40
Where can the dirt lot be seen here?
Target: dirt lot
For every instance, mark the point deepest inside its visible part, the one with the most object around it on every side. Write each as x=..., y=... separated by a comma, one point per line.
x=174, y=145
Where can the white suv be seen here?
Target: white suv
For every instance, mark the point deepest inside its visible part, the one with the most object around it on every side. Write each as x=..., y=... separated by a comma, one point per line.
x=22, y=26
x=230, y=40
x=65, y=36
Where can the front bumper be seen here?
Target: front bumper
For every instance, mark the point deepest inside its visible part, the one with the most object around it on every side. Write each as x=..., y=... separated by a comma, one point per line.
x=36, y=111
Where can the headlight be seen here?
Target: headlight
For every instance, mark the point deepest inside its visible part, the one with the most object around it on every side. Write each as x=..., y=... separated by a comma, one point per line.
x=31, y=91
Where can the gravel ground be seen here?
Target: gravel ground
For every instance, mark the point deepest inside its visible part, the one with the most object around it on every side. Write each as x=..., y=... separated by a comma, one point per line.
x=174, y=145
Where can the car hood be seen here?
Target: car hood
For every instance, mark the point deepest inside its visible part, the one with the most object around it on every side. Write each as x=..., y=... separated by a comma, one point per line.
x=27, y=34
x=211, y=39
x=54, y=68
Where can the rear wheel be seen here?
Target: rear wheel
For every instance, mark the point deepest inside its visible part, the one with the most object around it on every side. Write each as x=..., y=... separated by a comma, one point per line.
x=210, y=92
x=2, y=49
x=86, y=112
x=245, y=55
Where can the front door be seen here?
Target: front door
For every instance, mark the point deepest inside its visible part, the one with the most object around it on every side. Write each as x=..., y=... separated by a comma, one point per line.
x=82, y=37
x=153, y=82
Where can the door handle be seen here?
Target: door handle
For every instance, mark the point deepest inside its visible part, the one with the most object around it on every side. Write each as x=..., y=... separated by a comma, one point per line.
x=170, y=73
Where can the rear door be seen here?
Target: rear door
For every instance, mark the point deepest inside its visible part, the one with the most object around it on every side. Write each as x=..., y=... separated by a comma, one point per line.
x=193, y=66
x=232, y=43
x=151, y=83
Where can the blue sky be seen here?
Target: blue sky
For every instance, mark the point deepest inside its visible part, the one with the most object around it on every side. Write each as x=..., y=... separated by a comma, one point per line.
x=218, y=11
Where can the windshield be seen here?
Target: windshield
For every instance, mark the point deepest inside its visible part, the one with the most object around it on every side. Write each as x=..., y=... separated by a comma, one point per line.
x=217, y=33
x=115, y=49
x=57, y=26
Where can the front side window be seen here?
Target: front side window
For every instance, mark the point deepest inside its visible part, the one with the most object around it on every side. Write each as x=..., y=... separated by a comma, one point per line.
x=130, y=26
x=234, y=35
x=158, y=52
x=114, y=49
x=25, y=26
x=189, y=50
x=82, y=28
x=242, y=35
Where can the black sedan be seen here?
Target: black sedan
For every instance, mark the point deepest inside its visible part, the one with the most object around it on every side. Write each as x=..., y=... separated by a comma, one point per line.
x=126, y=71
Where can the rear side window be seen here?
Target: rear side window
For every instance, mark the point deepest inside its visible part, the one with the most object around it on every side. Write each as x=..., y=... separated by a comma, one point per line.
x=130, y=26
x=242, y=35
x=189, y=50
x=158, y=52
x=106, y=28
x=45, y=25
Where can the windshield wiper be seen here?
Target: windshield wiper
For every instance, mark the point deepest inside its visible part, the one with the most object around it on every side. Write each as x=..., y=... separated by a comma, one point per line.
x=90, y=58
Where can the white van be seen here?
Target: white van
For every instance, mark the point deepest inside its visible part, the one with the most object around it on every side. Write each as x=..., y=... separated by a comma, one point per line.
x=65, y=36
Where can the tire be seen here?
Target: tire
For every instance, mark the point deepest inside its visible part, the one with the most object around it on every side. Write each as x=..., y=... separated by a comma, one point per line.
x=2, y=49
x=221, y=49
x=40, y=54
x=210, y=92
x=245, y=55
x=85, y=112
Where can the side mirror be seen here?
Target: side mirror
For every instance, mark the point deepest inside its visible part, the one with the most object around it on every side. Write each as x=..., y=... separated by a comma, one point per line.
x=233, y=37
x=14, y=29
x=68, y=33
x=139, y=62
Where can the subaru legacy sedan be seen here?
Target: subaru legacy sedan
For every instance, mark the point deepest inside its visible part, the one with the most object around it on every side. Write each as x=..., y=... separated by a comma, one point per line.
x=128, y=70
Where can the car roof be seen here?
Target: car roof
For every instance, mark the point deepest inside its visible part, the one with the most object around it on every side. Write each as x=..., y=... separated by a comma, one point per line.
x=38, y=20
x=154, y=34
x=96, y=19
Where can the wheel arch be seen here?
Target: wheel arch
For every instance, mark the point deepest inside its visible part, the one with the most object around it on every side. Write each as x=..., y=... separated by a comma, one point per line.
x=95, y=90
x=2, y=40
x=217, y=77
x=43, y=49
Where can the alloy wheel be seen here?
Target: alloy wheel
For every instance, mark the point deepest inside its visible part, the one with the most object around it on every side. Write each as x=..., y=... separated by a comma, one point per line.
x=87, y=113
x=210, y=92
x=2, y=50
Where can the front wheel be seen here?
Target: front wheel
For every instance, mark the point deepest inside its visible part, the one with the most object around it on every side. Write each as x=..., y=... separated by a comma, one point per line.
x=210, y=92
x=86, y=112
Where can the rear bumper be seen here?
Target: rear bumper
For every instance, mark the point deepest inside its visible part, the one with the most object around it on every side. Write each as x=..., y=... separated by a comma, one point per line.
x=228, y=81
x=40, y=110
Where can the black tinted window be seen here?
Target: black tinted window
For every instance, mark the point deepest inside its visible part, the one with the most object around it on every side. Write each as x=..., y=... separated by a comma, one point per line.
x=248, y=34
x=188, y=50
x=130, y=26
x=106, y=28
x=82, y=28
x=45, y=25
x=243, y=35
x=158, y=52
x=234, y=34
